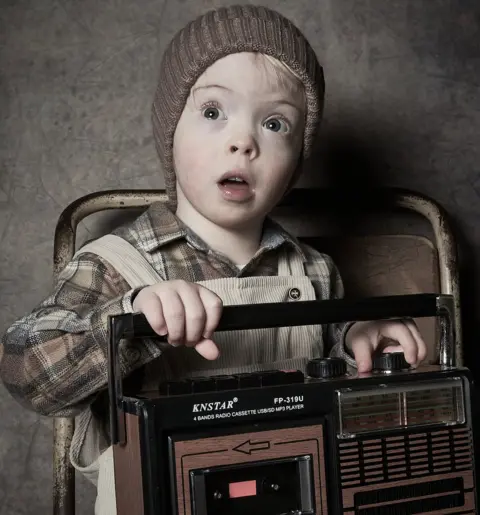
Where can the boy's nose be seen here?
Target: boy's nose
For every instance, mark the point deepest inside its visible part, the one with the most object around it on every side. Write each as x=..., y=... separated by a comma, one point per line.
x=246, y=146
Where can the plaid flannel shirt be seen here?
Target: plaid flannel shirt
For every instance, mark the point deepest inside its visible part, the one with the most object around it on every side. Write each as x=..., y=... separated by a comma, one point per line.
x=54, y=360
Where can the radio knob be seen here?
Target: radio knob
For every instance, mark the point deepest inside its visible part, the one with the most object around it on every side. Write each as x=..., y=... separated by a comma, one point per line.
x=390, y=361
x=326, y=368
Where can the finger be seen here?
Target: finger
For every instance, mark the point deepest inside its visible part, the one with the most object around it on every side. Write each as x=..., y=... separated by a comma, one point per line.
x=207, y=349
x=390, y=347
x=401, y=333
x=174, y=314
x=213, y=308
x=387, y=345
x=195, y=316
x=151, y=307
x=362, y=351
x=421, y=345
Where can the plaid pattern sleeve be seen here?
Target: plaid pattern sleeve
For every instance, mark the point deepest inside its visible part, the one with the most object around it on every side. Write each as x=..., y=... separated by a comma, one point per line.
x=54, y=360
x=328, y=284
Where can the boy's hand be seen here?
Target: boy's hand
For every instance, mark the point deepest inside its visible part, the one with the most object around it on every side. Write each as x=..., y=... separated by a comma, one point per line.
x=187, y=312
x=364, y=338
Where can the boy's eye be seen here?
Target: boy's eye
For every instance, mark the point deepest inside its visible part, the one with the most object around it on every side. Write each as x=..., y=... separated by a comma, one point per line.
x=276, y=125
x=211, y=113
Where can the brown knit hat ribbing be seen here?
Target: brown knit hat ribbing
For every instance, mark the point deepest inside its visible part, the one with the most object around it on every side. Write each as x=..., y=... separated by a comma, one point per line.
x=214, y=35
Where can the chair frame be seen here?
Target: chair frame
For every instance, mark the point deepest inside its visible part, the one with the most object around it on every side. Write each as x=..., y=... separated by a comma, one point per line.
x=65, y=247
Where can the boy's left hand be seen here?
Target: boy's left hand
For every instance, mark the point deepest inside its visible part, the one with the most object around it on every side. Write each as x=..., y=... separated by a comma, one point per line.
x=364, y=338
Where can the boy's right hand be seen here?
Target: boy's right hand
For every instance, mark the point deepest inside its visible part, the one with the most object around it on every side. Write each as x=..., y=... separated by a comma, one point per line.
x=187, y=312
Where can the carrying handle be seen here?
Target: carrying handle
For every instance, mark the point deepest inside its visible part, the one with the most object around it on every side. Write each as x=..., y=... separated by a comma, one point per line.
x=285, y=314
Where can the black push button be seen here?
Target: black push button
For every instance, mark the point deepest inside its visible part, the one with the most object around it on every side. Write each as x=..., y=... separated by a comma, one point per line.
x=203, y=384
x=175, y=388
x=249, y=380
x=293, y=376
x=225, y=382
x=282, y=377
x=273, y=378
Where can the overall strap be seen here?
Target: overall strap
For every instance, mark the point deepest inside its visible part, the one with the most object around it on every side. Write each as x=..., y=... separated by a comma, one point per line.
x=125, y=258
x=290, y=263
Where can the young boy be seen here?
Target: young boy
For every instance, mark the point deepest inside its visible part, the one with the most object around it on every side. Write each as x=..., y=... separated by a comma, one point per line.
x=235, y=116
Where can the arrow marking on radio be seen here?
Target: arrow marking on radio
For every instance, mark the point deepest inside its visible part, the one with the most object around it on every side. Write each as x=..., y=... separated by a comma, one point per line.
x=248, y=447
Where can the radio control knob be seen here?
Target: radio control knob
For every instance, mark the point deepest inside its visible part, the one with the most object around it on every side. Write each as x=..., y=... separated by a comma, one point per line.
x=326, y=368
x=390, y=361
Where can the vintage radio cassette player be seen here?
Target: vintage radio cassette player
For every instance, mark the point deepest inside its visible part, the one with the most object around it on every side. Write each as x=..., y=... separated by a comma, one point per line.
x=323, y=440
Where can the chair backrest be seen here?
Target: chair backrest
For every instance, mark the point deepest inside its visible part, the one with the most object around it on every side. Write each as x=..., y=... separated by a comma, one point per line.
x=387, y=262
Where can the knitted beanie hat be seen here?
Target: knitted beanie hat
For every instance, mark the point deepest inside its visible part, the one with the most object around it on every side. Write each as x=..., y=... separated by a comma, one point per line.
x=214, y=35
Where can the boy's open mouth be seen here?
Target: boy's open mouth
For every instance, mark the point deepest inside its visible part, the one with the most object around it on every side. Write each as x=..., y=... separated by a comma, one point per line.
x=234, y=178
x=233, y=181
x=235, y=185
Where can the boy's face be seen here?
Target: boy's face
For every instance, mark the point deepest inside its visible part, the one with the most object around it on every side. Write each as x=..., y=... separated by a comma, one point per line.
x=238, y=140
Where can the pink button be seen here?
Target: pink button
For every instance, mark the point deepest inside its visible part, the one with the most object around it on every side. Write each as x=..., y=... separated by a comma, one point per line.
x=242, y=489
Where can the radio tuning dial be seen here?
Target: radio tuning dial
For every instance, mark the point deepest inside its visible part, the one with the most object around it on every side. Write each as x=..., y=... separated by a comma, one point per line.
x=326, y=368
x=390, y=361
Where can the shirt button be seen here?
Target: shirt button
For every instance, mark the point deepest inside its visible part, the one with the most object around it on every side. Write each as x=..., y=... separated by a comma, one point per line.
x=294, y=293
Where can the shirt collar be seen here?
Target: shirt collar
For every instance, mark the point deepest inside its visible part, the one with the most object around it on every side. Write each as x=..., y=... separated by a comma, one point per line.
x=165, y=227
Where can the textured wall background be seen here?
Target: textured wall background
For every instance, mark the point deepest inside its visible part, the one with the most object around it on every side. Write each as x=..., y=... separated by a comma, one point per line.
x=77, y=79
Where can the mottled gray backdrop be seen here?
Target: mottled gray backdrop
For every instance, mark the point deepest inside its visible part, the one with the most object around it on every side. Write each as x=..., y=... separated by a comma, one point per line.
x=77, y=78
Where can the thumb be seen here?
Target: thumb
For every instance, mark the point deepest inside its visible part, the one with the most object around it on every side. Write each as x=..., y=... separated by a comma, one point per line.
x=207, y=349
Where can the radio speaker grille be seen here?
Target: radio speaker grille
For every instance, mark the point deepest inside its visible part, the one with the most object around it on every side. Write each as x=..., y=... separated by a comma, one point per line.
x=429, y=468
